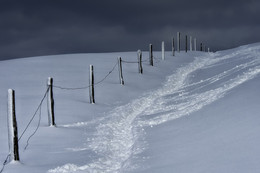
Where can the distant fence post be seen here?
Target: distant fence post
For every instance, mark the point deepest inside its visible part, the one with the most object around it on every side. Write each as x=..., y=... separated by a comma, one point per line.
x=186, y=43
x=140, y=67
x=190, y=43
x=178, y=41
x=12, y=127
x=201, y=47
x=208, y=49
x=50, y=103
x=163, y=51
x=195, y=44
x=173, y=48
x=91, y=85
x=151, y=54
x=120, y=71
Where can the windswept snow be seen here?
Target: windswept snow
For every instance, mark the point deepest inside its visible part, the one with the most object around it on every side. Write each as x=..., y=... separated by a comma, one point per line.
x=122, y=136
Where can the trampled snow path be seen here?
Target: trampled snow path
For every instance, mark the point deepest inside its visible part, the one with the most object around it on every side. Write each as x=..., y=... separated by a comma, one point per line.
x=117, y=139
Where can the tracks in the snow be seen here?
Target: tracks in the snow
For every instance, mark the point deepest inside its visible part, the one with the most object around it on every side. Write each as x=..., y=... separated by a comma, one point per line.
x=192, y=87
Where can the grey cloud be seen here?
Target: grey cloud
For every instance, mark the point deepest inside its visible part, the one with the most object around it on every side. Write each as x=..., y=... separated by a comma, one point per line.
x=31, y=28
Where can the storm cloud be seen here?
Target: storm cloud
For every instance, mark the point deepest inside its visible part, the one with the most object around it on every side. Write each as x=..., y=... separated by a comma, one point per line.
x=44, y=27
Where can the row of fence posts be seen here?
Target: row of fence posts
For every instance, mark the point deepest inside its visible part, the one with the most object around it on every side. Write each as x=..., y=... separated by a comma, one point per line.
x=192, y=43
x=12, y=123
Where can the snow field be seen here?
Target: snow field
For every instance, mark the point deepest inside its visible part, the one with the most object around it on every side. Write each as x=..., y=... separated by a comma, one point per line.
x=130, y=128
x=173, y=100
x=76, y=119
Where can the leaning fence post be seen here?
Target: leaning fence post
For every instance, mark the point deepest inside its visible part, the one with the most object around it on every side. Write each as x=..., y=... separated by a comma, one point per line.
x=178, y=41
x=173, y=48
x=120, y=71
x=151, y=54
x=140, y=67
x=91, y=85
x=163, y=51
x=50, y=103
x=12, y=127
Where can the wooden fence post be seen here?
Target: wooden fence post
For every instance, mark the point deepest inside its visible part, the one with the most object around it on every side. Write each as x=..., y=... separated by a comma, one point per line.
x=151, y=54
x=50, y=103
x=190, y=43
x=200, y=46
x=12, y=127
x=91, y=85
x=140, y=67
x=163, y=51
x=195, y=44
x=120, y=71
x=186, y=43
x=173, y=48
x=178, y=41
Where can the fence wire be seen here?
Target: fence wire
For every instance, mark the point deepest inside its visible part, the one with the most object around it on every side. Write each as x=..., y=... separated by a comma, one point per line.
x=134, y=62
x=67, y=88
x=39, y=122
x=62, y=88
x=5, y=162
x=27, y=126
x=130, y=62
x=88, y=86
x=38, y=108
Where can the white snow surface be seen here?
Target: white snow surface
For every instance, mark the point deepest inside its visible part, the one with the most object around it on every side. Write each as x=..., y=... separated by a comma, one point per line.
x=193, y=112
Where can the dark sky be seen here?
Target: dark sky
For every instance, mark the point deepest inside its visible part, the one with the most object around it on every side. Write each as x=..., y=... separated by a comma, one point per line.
x=44, y=27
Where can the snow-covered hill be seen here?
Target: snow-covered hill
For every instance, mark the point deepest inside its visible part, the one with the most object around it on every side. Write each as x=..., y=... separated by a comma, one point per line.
x=194, y=112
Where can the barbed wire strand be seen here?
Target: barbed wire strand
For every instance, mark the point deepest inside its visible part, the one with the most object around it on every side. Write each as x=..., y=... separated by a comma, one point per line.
x=5, y=162
x=133, y=62
x=107, y=74
x=130, y=62
x=45, y=94
x=39, y=122
x=39, y=107
x=88, y=86
x=67, y=88
x=85, y=87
